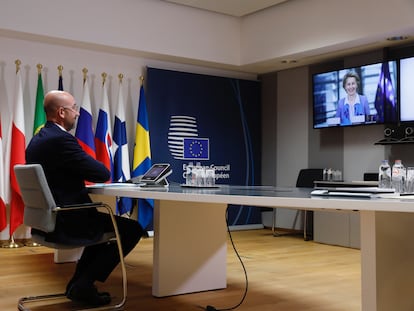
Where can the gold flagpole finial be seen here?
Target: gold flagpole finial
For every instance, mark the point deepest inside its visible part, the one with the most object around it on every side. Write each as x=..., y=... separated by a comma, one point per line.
x=85, y=73
x=18, y=63
x=104, y=75
x=141, y=79
x=120, y=76
x=60, y=69
x=39, y=68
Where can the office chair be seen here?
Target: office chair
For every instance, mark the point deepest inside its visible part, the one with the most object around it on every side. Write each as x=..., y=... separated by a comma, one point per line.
x=40, y=213
x=305, y=179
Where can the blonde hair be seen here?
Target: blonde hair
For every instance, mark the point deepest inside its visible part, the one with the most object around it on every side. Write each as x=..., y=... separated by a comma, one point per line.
x=351, y=74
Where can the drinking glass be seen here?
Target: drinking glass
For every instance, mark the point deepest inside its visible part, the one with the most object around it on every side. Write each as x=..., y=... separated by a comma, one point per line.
x=410, y=180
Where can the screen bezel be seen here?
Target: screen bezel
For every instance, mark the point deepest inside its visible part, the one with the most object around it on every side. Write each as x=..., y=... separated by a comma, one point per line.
x=339, y=71
x=402, y=100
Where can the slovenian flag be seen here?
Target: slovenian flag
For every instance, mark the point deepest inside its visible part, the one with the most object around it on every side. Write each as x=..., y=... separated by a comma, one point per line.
x=103, y=137
x=84, y=127
x=122, y=170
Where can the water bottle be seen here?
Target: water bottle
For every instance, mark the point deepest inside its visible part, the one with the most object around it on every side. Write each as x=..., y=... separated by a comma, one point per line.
x=384, y=175
x=398, y=176
x=189, y=175
x=325, y=174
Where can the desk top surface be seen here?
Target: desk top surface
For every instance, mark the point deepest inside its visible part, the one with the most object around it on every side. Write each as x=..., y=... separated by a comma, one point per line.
x=263, y=196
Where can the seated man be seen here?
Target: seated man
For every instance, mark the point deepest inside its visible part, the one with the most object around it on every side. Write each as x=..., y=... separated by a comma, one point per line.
x=67, y=167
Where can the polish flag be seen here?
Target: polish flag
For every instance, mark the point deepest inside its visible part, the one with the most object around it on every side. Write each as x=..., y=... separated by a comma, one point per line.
x=17, y=155
x=3, y=213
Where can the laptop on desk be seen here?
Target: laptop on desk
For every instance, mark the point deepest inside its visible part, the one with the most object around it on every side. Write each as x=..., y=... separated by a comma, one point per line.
x=322, y=184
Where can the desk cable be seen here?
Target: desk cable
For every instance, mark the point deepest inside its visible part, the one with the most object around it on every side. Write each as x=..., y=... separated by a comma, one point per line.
x=211, y=308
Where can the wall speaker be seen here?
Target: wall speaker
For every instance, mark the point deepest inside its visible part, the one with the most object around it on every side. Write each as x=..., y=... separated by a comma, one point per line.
x=393, y=132
x=409, y=131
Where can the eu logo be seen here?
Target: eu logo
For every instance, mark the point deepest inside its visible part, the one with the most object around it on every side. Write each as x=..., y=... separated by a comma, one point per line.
x=196, y=148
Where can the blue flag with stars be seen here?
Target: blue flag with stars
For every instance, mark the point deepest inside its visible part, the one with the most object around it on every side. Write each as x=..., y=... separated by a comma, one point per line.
x=385, y=98
x=196, y=148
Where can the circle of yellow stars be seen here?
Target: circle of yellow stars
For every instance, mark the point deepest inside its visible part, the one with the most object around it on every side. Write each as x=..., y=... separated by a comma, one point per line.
x=192, y=148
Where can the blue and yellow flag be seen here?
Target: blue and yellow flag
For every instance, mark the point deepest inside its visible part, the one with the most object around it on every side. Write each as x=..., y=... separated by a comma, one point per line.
x=142, y=158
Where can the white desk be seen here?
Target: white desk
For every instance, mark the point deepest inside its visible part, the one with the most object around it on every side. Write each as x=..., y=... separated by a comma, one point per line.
x=190, y=238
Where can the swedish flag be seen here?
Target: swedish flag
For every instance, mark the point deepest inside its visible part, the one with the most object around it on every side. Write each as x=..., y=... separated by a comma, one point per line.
x=142, y=158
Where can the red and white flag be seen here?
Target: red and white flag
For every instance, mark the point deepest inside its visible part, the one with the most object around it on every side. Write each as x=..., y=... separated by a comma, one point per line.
x=3, y=212
x=17, y=155
x=103, y=136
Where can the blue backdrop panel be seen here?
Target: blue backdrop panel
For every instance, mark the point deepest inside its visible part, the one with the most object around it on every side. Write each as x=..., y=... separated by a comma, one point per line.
x=210, y=120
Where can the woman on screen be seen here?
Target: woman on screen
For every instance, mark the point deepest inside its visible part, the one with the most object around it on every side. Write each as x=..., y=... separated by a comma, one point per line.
x=354, y=107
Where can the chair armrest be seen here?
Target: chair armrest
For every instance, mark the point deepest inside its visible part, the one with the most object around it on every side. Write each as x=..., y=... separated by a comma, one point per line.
x=72, y=207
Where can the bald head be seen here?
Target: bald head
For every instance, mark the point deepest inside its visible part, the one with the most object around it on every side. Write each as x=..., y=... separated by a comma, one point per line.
x=60, y=108
x=54, y=100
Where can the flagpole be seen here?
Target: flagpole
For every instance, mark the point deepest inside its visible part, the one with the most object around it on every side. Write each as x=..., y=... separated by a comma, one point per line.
x=120, y=77
x=60, y=82
x=141, y=82
x=103, y=77
x=29, y=242
x=18, y=63
x=12, y=243
x=39, y=68
x=85, y=74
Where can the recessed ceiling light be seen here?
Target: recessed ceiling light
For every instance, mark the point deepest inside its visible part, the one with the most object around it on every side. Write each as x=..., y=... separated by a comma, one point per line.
x=289, y=61
x=397, y=38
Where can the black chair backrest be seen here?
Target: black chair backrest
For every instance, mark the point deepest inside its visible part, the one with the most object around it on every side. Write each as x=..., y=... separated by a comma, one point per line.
x=307, y=176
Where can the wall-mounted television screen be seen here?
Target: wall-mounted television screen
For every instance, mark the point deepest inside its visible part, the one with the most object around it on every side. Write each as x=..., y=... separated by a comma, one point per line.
x=406, y=90
x=356, y=96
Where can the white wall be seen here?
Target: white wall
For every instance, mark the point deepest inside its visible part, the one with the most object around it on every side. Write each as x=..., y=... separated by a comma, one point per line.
x=360, y=152
x=291, y=136
x=292, y=125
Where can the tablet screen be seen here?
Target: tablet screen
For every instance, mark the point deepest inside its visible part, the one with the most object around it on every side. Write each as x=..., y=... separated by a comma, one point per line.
x=155, y=172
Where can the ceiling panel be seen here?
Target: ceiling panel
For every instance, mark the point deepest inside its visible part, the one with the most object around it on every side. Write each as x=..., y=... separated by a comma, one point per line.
x=236, y=8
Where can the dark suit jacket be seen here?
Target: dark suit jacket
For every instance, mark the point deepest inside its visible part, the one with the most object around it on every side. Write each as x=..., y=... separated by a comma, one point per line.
x=67, y=167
